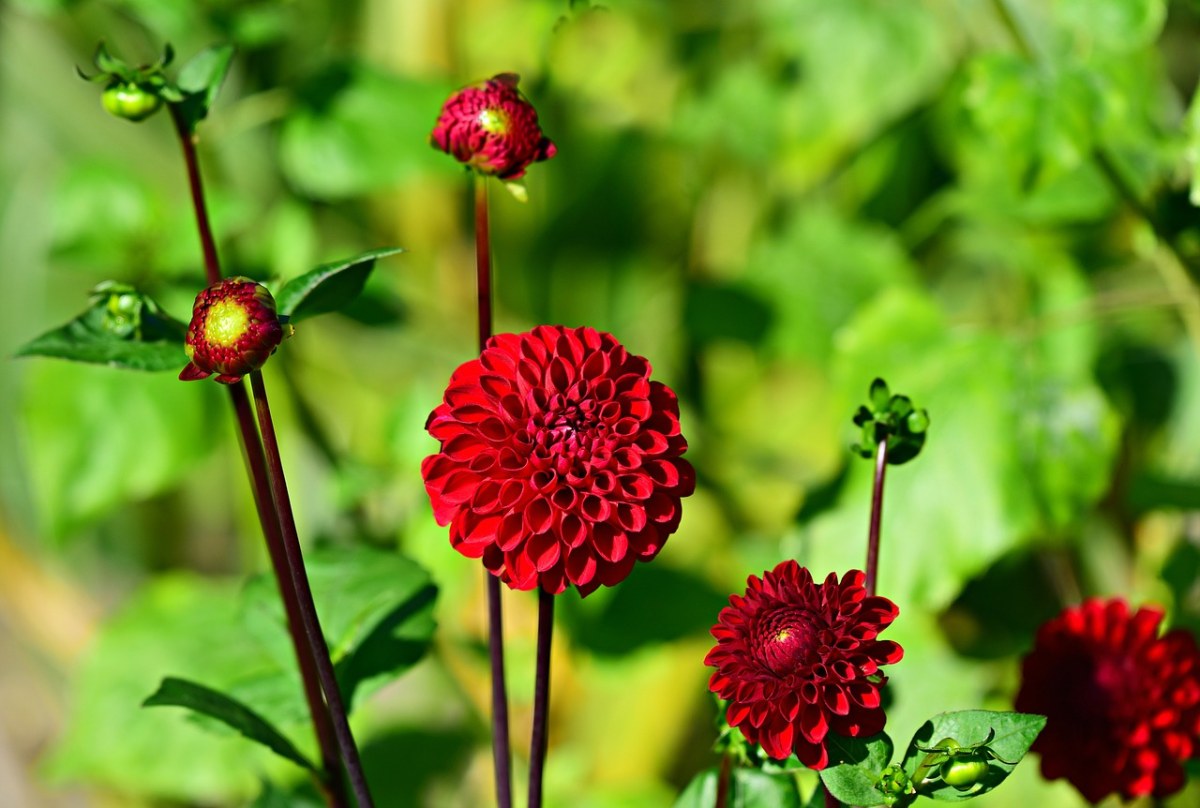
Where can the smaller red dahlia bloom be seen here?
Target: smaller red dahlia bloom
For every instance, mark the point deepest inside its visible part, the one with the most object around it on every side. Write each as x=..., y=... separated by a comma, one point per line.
x=1122, y=704
x=560, y=460
x=798, y=660
x=492, y=128
x=234, y=329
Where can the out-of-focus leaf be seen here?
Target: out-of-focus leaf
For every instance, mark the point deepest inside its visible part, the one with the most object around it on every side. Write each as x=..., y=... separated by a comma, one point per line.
x=854, y=767
x=175, y=692
x=1117, y=25
x=121, y=328
x=329, y=287
x=176, y=623
x=1014, y=734
x=356, y=131
x=748, y=788
x=98, y=437
x=376, y=611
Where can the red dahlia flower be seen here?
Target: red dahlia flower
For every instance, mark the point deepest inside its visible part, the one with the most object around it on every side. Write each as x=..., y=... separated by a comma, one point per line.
x=234, y=329
x=797, y=660
x=560, y=462
x=1122, y=704
x=492, y=128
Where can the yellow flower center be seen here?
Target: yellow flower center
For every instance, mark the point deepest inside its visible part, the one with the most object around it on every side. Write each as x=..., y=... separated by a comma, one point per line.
x=494, y=121
x=226, y=322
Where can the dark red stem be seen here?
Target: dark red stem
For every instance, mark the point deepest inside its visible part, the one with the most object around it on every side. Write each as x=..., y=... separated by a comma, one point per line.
x=723, y=777
x=501, y=754
x=187, y=140
x=830, y=800
x=308, y=610
x=256, y=463
x=876, y=517
x=541, y=698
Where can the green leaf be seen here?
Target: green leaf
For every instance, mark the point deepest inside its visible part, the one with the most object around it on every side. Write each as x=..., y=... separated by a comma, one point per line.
x=701, y=792
x=121, y=328
x=748, y=788
x=329, y=287
x=175, y=692
x=855, y=766
x=200, y=81
x=1014, y=734
x=376, y=611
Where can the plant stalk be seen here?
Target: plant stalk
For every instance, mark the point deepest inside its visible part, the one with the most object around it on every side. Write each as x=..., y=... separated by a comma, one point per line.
x=723, y=776
x=501, y=754
x=541, y=698
x=308, y=610
x=876, y=517
x=268, y=514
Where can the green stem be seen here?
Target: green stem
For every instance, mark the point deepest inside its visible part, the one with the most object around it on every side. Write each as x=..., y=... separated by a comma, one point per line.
x=308, y=610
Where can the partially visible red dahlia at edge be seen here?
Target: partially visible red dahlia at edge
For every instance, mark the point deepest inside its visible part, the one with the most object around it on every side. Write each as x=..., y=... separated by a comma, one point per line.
x=560, y=461
x=234, y=329
x=492, y=128
x=1122, y=704
x=798, y=660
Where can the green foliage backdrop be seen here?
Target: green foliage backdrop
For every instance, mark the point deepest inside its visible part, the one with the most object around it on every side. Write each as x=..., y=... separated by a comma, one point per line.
x=990, y=203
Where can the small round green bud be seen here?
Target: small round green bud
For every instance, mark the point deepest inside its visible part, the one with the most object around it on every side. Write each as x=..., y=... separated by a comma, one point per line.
x=917, y=422
x=964, y=772
x=130, y=101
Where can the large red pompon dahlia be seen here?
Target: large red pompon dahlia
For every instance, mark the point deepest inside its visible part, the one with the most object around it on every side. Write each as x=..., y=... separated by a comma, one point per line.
x=560, y=462
x=1122, y=704
x=492, y=128
x=797, y=660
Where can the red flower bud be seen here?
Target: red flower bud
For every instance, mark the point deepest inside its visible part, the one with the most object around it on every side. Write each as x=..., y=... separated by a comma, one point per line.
x=492, y=128
x=234, y=329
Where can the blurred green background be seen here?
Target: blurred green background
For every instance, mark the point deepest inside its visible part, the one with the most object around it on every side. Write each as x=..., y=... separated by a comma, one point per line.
x=773, y=200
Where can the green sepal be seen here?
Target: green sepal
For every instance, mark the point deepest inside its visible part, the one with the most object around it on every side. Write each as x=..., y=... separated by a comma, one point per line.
x=205, y=701
x=1000, y=738
x=121, y=328
x=855, y=765
x=893, y=418
x=329, y=287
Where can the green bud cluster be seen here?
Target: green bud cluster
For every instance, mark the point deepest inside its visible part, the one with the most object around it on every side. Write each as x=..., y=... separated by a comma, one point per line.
x=892, y=418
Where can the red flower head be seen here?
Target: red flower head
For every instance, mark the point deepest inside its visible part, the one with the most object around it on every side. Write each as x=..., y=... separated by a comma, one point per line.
x=797, y=660
x=492, y=128
x=1122, y=704
x=560, y=462
x=234, y=329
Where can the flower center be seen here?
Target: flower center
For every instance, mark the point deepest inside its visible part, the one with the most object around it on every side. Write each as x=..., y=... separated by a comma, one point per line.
x=225, y=324
x=783, y=640
x=494, y=121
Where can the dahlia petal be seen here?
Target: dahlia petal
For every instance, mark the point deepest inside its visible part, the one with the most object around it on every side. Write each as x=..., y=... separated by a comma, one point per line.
x=511, y=531
x=544, y=550
x=813, y=724
x=581, y=565
x=835, y=700
x=192, y=372
x=539, y=515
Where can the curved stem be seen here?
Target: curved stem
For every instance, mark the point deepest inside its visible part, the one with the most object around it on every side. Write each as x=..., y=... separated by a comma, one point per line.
x=187, y=141
x=308, y=611
x=541, y=698
x=876, y=517
x=501, y=754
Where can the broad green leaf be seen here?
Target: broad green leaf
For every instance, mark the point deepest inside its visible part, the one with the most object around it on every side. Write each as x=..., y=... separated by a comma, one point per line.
x=855, y=766
x=1014, y=733
x=376, y=611
x=175, y=623
x=175, y=692
x=329, y=287
x=121, y=328
x=701, y=792
x=747, y=788
x=200, y=80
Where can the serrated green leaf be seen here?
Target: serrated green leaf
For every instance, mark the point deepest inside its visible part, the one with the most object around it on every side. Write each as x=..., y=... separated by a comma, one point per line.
x=855, y=766
x=200, y=80
x=175, y=692
x=329, y=287
x=1014, y=733
x=122, y=328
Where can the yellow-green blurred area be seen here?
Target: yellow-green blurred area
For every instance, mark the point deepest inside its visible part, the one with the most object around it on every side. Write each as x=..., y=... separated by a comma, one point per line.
x=986, y=202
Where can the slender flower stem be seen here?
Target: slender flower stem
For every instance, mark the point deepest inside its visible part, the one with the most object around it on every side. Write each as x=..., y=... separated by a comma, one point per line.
x=335, y=787
x=723, y=776
x=541, y=698
x=308, y=610
x=876, y=517
x=256, y=461
x=501, y=755
x=187, y=141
